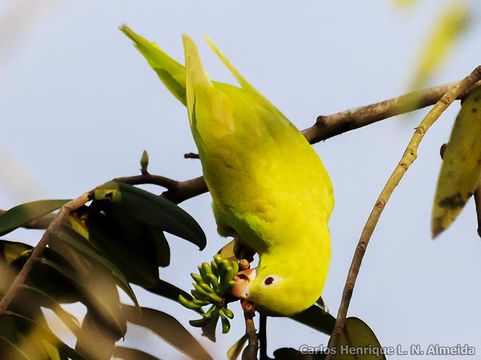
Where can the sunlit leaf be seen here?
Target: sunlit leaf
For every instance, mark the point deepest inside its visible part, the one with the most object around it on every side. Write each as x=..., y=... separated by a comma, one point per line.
x=236, y=349
x=41, y=332
x=461, y=169
x=22, y=214
x=227, y=251
x=168, y=328
x=10, y=250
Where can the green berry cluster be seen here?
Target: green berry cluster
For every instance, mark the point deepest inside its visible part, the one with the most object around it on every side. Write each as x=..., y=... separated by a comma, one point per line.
x=211, y=286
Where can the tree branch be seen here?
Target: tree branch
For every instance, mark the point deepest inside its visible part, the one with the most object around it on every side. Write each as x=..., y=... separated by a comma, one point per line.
x=177, y=191
x=21, y=277
x=407, y=159
x=341, y=122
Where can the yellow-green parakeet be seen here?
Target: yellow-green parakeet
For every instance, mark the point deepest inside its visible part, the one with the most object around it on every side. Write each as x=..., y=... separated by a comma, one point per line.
x=268, y=185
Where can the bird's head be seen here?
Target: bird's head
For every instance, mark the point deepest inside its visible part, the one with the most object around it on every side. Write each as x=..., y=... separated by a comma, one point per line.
x=282, y=287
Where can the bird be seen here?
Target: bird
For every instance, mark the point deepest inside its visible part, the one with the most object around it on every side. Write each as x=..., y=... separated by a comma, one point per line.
x=269, y=187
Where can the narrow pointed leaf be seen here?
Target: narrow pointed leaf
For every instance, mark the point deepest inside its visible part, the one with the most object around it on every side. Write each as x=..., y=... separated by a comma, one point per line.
x=22, y=214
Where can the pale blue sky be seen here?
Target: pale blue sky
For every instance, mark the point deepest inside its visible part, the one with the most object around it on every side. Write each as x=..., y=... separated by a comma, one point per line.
x=79, y=104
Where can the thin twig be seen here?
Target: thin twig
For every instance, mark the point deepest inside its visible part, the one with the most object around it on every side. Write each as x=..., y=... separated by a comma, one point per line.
x=341, y=122
x=263, y=337
x=250, y=352
x=177, y=191
x=407, y=159
x=21, y=277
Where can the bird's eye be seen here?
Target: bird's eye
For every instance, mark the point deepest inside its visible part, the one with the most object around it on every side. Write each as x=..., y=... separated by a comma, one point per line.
x=270, y=280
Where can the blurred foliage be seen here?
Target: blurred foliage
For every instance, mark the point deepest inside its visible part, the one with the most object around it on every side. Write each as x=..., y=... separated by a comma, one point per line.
x=451, y=24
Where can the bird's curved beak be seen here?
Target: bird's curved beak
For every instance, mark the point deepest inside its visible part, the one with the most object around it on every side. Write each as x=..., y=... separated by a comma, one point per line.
x=243, y=279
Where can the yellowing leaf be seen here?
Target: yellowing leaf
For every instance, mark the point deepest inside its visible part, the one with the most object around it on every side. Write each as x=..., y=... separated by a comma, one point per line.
x=449, y=27
x=461, y=169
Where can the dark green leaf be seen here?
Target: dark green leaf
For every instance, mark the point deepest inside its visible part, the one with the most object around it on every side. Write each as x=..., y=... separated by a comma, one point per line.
x=22, y=214
x=168, y=328
x=161, y=246
x=132, y=354
x=124, y=244
x=136, y=259
x=316, y=318
x=168, y=290
x=358, y=337
x=153, y=210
